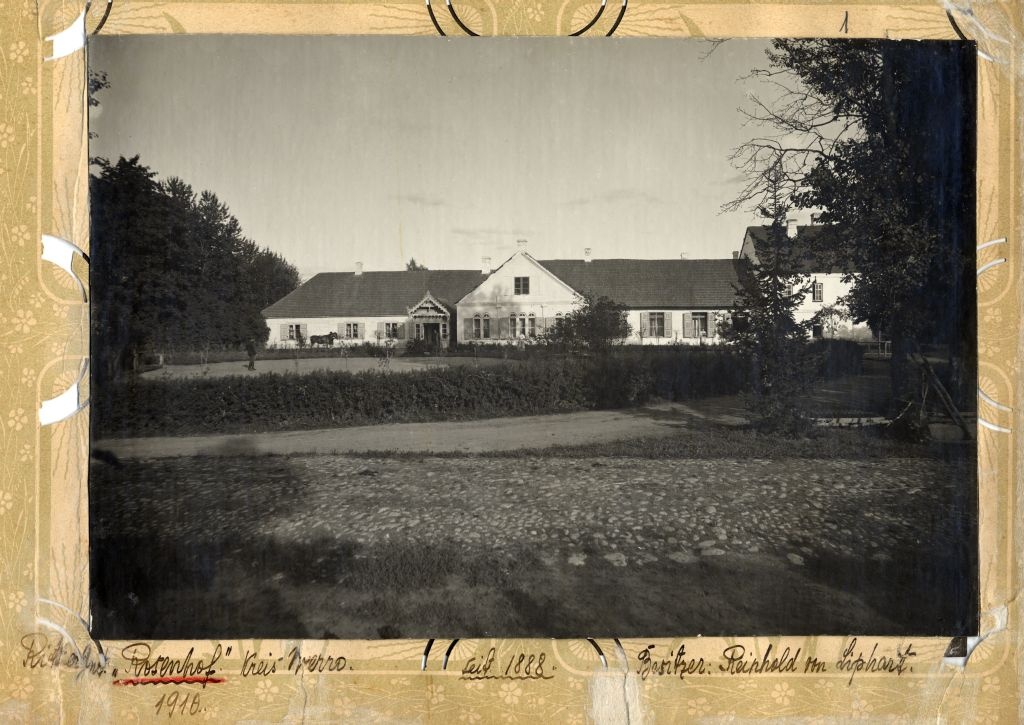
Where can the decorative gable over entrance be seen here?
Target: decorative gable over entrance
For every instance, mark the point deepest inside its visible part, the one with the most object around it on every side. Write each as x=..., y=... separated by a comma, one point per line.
x=430, y=319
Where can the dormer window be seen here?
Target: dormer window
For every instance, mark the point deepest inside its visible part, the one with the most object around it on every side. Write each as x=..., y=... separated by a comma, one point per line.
x=522, y=285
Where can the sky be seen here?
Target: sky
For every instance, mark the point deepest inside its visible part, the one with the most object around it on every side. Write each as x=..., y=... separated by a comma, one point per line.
x=337, y=150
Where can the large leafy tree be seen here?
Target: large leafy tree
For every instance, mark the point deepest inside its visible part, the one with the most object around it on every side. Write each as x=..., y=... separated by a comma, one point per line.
x=171, y=270
x=877, y=136
x=595, y=324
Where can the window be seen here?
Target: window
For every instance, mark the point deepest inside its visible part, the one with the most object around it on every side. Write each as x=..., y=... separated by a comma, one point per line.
x=419, y=331
x=522, y=326
x=522, y=285
x=351, y=330
x=700, y=324
x=817, y=331
x=294, y=332
x=657, y=323
x=487, y=327
x=477, y=328
x=391, y=330
x=819, y=291
x=511, y=325
x=444, y=329
x=533, y=326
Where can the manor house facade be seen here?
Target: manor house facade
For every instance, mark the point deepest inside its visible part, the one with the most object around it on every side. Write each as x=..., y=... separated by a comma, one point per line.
x=668, y=301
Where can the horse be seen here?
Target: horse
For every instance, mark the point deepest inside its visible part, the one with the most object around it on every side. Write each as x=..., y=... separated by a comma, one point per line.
x=325, y=340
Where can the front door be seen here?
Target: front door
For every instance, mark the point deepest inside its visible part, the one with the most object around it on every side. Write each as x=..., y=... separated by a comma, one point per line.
x=432, y=335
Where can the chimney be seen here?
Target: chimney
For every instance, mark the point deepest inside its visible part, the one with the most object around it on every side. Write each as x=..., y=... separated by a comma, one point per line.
x=791, y=227
x=586, y=254
x=682, y=255
x=485, y=265
x=735, y=254
x=521, y=244
x=359, y=268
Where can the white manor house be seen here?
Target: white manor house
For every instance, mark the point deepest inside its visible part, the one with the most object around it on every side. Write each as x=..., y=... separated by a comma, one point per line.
x=668, y=301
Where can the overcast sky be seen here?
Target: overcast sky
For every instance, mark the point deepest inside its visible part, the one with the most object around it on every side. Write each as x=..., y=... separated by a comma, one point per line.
x=333, y=150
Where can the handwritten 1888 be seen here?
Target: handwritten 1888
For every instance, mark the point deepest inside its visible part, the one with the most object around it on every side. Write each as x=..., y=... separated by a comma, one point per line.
x=519, y=666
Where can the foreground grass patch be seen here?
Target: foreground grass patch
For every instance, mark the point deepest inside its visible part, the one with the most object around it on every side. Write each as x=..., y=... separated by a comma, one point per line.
x=716, y=441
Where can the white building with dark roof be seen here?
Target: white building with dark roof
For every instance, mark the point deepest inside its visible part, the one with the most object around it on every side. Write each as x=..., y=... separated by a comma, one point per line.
x=371, y=306
x=828, y=284
x=667, y=301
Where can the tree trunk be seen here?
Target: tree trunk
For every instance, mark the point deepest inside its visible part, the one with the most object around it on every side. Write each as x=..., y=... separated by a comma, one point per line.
x=899, y=367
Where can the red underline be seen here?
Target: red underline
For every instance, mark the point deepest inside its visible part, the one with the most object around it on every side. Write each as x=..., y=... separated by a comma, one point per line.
x=194, y=680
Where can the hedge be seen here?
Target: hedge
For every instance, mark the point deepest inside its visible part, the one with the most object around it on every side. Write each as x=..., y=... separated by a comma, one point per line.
x=327, y=399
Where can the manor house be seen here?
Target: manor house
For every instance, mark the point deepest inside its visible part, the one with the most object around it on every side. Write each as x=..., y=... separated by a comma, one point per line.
x=668, y=301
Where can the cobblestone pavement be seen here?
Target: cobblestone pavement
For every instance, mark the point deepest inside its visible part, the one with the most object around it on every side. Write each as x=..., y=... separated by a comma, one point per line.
x=630, y=512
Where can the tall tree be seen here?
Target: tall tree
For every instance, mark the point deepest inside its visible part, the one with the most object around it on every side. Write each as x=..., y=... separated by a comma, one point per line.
x=413, y=266
x=764, y=323
x=877, y=136
x=171, y=270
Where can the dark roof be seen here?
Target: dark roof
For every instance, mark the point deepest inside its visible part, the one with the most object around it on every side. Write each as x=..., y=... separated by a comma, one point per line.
x=346, y=294
x=809, y=259
x=652, y=283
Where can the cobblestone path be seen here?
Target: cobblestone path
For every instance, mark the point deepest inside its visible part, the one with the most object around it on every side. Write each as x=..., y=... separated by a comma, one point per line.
x=630, y=512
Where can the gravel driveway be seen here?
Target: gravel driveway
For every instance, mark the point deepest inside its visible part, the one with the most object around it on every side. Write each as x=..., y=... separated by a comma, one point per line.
x=751, y=545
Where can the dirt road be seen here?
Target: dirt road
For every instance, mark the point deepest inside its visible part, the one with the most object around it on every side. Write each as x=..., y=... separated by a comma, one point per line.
x=476, y=436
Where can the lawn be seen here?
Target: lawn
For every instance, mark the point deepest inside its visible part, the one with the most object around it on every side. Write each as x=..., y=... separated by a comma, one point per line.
x=709, y=441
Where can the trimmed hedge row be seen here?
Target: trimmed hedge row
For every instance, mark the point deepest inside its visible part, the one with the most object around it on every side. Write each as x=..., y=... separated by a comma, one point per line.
x=326, y=399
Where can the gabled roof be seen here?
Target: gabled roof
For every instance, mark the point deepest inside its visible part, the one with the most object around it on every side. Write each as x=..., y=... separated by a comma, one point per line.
x=346, y=294
x=522, y=254
x=652, y=283
x=808, y=259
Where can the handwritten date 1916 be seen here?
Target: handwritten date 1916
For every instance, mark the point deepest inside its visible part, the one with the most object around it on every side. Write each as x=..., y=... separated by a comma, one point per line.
x=179, y=703
x=519, y=666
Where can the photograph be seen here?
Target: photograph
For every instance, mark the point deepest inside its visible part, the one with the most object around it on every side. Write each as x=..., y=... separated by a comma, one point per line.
x=413, y=337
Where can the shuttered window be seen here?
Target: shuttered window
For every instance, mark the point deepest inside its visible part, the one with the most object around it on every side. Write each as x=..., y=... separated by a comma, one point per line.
x=700, y=324
x=819, y=292
x=296, y=332
x=656, y=320
x=486, y=327
x=477, y=328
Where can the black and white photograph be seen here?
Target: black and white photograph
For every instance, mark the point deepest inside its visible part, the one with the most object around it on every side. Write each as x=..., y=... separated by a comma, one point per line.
x=402, y=338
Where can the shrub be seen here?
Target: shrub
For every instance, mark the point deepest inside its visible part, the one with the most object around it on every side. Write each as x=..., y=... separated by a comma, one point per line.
x=326, y=399
x=838, y=357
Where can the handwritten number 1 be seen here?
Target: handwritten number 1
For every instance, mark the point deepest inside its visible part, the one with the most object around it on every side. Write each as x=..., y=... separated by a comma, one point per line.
x=846, y=23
